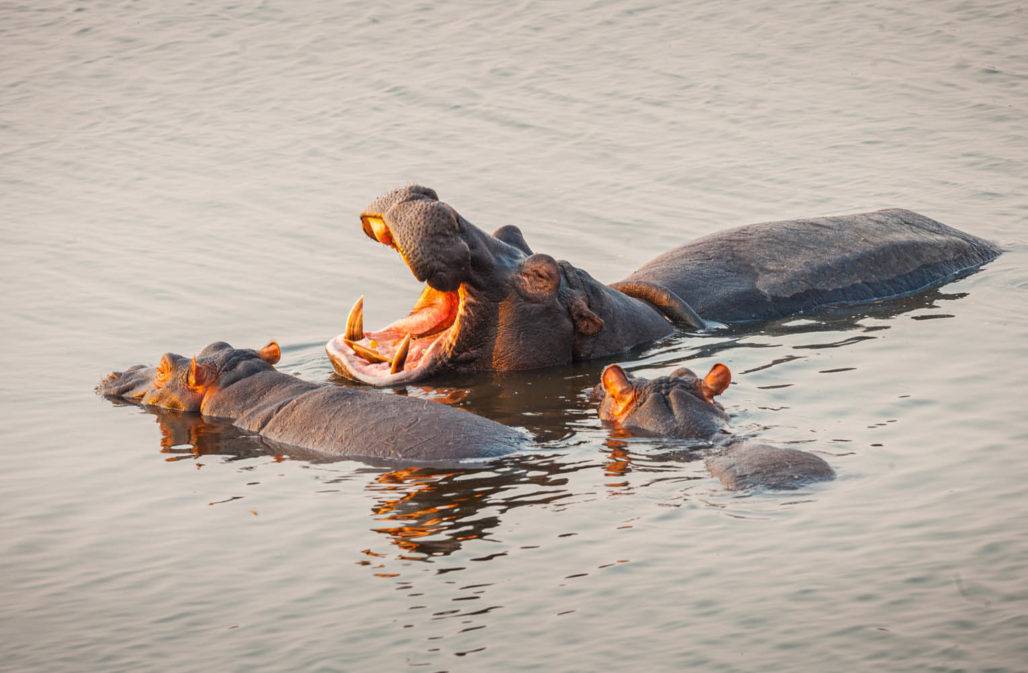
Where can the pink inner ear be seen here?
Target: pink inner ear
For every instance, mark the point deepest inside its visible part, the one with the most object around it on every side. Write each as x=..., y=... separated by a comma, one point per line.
x=271, y=353
x=615, y=381
x=717, y=380
x=200, y=375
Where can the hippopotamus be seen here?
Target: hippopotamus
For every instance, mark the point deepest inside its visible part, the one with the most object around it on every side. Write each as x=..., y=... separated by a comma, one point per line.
x=491, y=304
x=243, y=386
x=681, y=404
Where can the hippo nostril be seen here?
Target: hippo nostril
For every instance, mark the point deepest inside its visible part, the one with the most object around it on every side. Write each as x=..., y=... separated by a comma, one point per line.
x=106, y=382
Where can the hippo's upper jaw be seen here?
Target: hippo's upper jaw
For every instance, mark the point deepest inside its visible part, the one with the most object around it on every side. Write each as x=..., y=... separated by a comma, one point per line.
x=440, y=249
x=489, y=304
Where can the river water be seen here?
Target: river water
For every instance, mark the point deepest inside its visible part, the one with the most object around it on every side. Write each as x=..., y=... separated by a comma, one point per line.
x=175, y=173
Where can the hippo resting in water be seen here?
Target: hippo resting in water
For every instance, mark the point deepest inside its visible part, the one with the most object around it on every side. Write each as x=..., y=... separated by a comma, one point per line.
x=682, y=404
x=242, y=386
x=491, y=304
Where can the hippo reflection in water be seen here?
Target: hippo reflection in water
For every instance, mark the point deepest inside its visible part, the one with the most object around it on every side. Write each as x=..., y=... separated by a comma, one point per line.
x=432, y=509
x=491, y=304
x=682, y=404
x=242, y=385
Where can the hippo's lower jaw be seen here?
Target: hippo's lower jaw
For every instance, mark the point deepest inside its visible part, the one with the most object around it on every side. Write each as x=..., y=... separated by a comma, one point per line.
x=407, y=350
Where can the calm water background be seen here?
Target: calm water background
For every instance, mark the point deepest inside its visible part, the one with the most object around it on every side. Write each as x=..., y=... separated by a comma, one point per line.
x=177, y=173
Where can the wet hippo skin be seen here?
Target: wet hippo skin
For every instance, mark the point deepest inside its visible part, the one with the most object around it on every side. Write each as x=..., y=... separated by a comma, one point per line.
x=776, y=269
x=744, y=466
x=682, y=405
x=242, y=385
x=491, y=304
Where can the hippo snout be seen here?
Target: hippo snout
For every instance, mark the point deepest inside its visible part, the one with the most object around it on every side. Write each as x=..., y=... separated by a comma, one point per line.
x=131, y=383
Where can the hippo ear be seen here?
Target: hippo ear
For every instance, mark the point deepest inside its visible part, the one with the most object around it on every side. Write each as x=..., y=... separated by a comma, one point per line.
x=512, y=236
x=716, y=381
x=538, y=278
x=270, y=353
x=165, y=370
x=617, y=384
x=200, y=375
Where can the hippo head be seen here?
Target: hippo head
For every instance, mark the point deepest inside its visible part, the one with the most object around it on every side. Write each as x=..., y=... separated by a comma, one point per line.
x=182, y=383
x=488, y=304
x=680, y=404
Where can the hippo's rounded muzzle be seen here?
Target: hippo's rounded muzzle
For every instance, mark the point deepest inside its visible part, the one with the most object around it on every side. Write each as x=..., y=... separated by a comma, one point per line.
x=131, y=384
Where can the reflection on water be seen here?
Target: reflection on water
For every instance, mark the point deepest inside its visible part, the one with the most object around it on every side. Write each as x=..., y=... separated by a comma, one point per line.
x=188, y=435
x=425, y=512
x=429, y=513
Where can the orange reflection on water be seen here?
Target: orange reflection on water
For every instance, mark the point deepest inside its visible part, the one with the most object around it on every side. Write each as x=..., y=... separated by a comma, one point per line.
x=415, y=503
x=618, y=463
x=186, y=435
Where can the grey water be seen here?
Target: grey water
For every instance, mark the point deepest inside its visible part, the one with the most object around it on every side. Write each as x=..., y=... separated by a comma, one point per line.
x=175, y=173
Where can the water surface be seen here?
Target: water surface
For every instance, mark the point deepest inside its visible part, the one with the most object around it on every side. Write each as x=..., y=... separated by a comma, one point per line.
x=177, y=173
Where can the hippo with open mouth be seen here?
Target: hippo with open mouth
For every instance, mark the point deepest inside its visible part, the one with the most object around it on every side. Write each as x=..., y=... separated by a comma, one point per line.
x=241, y=385
x=490, y=304
x=682, y=405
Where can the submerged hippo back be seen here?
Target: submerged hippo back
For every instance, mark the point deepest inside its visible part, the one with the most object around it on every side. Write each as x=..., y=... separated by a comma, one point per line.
x=772, y=270
x=342, y=421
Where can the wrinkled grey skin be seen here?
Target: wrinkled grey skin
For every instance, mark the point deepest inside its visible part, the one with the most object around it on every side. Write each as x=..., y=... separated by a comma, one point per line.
x=674, y=406
x=745, y=465
x=527, y=311
x=324, y=418
x=776, y=269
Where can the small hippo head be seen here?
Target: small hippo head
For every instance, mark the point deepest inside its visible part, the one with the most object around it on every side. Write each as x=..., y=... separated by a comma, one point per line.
x=181, y=383
x=680, y=404
x=489, y=302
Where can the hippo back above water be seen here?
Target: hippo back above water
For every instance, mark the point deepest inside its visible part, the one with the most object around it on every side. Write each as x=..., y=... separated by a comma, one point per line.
x=776, y=269
x=491, y=303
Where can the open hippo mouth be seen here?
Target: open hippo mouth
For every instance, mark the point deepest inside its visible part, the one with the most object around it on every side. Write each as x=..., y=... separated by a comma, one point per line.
x=405, y=350
x=489, y=303
x=420, y=344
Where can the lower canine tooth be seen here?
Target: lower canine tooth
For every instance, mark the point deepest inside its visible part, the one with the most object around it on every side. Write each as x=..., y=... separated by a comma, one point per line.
x=355, y=322
x=401, y=356
x=366, y=353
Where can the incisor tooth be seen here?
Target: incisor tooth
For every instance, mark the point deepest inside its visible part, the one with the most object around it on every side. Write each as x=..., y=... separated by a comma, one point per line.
x=401, y=356
x=355, y=322
x=366, y=353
